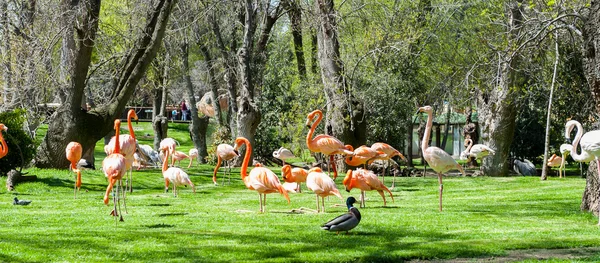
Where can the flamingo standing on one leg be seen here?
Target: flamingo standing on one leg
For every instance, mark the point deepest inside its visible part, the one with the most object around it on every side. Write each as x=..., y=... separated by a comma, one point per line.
x=128, y=148
x=590, y=146
x=73, y=152
x=175, y=176
x=390, y=152
x=365, y=180
x=439, y=160
x=114, y=167
x=565, y=150
x=261, y=179
x=3, y=146
x=193, y=154
x=294, y=175
x=225, y=153
x=322, y=143
x=322, y=185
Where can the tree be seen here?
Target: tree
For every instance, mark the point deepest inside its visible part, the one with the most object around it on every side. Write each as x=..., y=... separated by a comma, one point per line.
x=70, y=123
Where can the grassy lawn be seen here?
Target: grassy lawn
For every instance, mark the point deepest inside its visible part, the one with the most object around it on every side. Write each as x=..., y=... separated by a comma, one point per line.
x=483, y=217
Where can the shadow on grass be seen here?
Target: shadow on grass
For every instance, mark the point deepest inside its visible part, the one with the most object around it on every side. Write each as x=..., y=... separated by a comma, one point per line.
x=161, y=225
x=172, y=214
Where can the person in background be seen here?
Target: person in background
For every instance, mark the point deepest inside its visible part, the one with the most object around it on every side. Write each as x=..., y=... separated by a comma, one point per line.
x=184, y=111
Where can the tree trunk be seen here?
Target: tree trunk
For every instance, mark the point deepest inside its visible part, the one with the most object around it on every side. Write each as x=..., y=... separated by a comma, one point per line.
x=409, y=148
x=591, y=66
x=198, y=126
x=160, y=121
x=497, y=106
x=470, y=132
x=5, y=53
x=214, y=85
x=70, y=123
x=295, y=15
x=344, y=112
x=547, y=140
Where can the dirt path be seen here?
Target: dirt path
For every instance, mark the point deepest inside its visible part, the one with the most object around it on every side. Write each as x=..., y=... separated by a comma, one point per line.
x=529, y=254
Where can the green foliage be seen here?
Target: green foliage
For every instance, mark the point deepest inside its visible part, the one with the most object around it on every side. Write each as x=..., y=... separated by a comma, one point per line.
x=21, y=147
x=219, y=136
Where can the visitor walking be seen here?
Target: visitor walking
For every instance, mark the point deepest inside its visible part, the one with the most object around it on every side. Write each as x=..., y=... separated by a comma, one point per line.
x=185, y=114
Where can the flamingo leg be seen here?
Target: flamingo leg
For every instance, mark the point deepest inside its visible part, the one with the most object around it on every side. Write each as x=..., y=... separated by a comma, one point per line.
x=362, y=199
x=174, y=190
x=318, y=208
x=323, y=203
x=131, y=180
x=382, y=195
x=562, y=167
x=441, y=189
x=260, y=201
x=124, y=190
x=75, y=189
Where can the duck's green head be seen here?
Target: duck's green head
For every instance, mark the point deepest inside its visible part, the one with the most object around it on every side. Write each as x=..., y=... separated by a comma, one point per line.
x=350, y=201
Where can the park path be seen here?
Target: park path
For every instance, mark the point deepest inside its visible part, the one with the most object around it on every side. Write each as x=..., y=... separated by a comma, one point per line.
x=528, y=254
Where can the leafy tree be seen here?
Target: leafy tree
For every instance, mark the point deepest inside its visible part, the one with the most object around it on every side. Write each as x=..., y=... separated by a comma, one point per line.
x=21, y=148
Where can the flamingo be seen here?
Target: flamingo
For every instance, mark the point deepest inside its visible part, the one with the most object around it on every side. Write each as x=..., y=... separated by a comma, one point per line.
x=362, y=155
x=178, y=156
x=390, y=152
x=322, y=143
x=322, y=185
x=193, y=153
x=73, y=152
x=439, y=160
x=555, y=161
x=296, y=176
x=590, y=146
x=261, y=179
x=365, y=180
x=114, y=167
x=128, y=147
x=175, y=176
x=3, y=146
x=225, y=153
x=168, y=145
x=283, y=154
x=565, y=150
x=477, y=151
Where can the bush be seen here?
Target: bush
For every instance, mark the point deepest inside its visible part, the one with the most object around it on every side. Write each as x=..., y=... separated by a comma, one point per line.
x=21, y=147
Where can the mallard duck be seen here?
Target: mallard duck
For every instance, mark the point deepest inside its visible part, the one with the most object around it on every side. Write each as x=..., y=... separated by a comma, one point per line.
x=345, y=222
x=16, y=201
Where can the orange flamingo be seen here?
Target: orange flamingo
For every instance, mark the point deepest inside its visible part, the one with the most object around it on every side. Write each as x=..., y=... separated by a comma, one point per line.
x=296, y=175
x=178, y=156
x=261, y=179
x=439, y=160
x=322, y=143
x=114, y=167
x=193, y=154
x=128, y=148
x=73, y=152
x=322, y=185
x=3, y=146
x=390, y=152
x=365, y=180
x=362, y=155
x=176, y=176
x=225, y=153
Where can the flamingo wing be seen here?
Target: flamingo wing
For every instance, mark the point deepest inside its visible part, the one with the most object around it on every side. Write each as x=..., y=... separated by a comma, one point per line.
x=329, y=145
x=439, y=160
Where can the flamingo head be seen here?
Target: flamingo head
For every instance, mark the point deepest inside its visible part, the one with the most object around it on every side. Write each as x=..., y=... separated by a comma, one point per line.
x=426, y=109
x=568, y=129
x=347, y=181
x=316, y=170
x=133, y=115
x=286, y=172
x=311, y=116
x=117, y=124
x=3, y=127
x=239, y=141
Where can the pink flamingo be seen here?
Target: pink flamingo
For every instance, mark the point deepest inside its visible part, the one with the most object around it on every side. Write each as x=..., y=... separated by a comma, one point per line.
x=296, y=175
x=73, y=152
x=178, y=156
x=322, y=185
x=365, y=180
x=261, y=179
x=175, y=176
x=3, y=146
x=390, y=152
x=193, y=154
x=322, y=143
x=128, y=147
x=439, y=160
x=555, y=161
x=225, y=153
x=168, y=145
x=114, y=166
x=362, y=155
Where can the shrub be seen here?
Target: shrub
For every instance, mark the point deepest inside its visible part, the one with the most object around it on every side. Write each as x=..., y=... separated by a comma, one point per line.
x=21, y=147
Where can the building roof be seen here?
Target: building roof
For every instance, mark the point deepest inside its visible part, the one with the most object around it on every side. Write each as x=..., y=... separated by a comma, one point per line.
x=455, y=118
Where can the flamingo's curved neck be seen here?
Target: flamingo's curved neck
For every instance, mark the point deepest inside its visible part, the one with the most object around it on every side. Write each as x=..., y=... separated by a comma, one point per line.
x=4, y=150
x=312, y=129
x=470, y=142
x=117, y=144
x=578, y=135
x=166, y=161
x=425, y=142
x=244, y=170
x=129, y=126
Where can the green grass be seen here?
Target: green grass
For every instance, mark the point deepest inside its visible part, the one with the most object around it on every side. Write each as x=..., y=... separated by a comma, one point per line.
x=482, y=217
